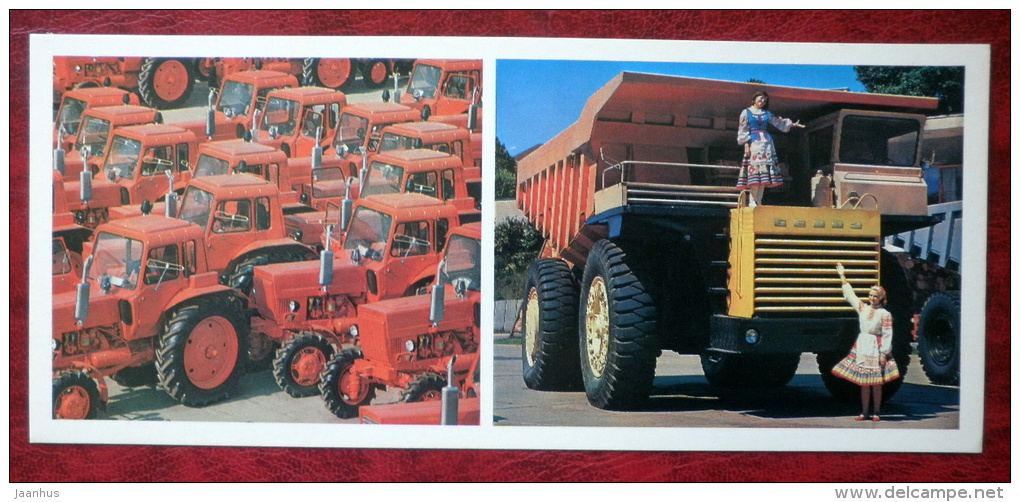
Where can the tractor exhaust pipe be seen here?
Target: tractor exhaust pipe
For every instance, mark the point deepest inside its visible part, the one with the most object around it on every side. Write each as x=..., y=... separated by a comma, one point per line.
x=450, y=397
x=326, y=262
x=85, y=188
x=171, y=196
x=317, y=151
x=81, y=301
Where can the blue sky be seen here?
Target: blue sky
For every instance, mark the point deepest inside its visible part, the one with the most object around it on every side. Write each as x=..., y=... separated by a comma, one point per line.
x=536, y=99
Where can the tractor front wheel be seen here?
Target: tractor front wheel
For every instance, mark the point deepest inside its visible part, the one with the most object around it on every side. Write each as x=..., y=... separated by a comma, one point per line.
x=299, y=363
x=75, y=396
x=426, y=387
x=342, y=388
x=375, y=73
x=166, y=83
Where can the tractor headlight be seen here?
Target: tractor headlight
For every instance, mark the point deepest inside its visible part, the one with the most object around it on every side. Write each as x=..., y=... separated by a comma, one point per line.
x=294, y=306
x=409, y=345
x=354, y=330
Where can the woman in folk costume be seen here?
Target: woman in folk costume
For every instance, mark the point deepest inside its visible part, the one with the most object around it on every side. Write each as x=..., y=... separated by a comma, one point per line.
x=760, y=167
x=870, y=362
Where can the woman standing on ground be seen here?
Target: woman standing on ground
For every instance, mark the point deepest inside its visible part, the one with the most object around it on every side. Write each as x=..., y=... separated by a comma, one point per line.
x=872, y=353
x=760, y=167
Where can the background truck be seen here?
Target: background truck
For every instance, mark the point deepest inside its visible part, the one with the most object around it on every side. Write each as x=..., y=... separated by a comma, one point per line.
x=650, y=247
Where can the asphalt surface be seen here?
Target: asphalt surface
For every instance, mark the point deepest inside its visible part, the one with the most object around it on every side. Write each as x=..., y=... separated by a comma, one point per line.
x=682, y=397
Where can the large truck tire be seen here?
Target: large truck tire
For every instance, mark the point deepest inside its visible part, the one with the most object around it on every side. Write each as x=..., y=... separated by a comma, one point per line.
x=75, y=396
x=549, y=315
x=617, y=318
x=343, y=389
x=299, y=363
x=327, y=72
x=752, y=371
x=899, y=305
x=201, y=353
x=938, y=338
x=165, y=83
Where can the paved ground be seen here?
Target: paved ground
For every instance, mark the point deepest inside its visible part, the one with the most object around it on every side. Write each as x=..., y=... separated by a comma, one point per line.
x=682, y=397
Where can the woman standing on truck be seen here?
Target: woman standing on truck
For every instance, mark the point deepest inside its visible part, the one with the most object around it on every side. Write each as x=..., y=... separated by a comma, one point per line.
x=870, y=362
x=760, y=167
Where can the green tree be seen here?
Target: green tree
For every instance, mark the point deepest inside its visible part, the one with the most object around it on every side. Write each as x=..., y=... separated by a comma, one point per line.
x=755, y=81
x=506, y=173
x=942, y=82
x=516, y=245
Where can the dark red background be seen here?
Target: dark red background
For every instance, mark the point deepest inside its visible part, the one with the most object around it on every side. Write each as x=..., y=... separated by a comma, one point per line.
x=40, y=463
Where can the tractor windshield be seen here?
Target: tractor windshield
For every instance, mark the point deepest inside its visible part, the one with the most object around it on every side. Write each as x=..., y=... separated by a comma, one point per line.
x=69, y=115
x=382, y=178
x=424, y=81
x=368, y=232
x=281, y=114
x=196, y=206
x=462, y=263
x=211, y=166
x=395, y=142
x=123, y=158
x=117, y=261
x=879, y=140
x=235, y=98
x=94, y=133
x=351, y=133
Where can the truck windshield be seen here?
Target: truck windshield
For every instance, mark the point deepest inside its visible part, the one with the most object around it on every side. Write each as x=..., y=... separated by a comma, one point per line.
x=368, y=232
x=424, y=80
x=94, y=133
x=196, y=206
x=393, y=142
x=117, y=259
x=123, y=158
x=382, y=178
x=462, y=262
x=879, y=140
x=235, y=98
x=70, y=115
x=351, y=133
x=281, y=114
x=211, y=166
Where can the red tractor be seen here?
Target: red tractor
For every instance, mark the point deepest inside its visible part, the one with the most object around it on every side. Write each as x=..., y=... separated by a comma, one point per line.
x=408, y=342
x=394, y=243
x=444, y=86
x=299, y=119
x=243, y=93
x=73, y=104
x=161, y=82
x=338, y=73
x=94, y=133
x=216, y=70
x=360, y=127
x=429, y=172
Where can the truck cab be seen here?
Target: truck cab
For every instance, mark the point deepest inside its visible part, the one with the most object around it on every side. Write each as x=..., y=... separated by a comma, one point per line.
x=292, y=118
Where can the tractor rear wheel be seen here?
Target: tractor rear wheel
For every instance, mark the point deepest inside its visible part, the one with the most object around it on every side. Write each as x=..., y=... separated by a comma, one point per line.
x=75, y=396
x=375, y=73
x=425, y=387
x=749, y=371
x=241, y=274
x=299, y=363
x=549, y=327
x=327, y=72
x=938, y=338
x=618, y=321
x=342, y=388
x=165, y=82
x=201, y=353
x=136, y=376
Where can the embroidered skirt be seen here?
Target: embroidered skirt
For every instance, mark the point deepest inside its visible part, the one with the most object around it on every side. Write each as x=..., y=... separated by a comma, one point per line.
x=760, y=167
x=851, y=369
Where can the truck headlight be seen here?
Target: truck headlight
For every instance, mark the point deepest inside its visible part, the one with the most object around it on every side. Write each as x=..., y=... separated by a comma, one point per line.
x=752, y=336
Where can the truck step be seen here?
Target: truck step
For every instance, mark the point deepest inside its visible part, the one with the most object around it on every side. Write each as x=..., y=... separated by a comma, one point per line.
x=720, y=264
x=719, y=291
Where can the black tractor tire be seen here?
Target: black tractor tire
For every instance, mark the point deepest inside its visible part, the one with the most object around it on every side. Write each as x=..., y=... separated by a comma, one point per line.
x=332, y=73
x=549, y=327
x=938, y=338
x=425, y=387
x=242, y=273
x=750, y=371
x=375, y=73
x=201, y=353
x=298, y=364
x=342, y=390
x=617, y=321
x=898, y=296
x=136, y=376
x=75, y=396
x=165, y=83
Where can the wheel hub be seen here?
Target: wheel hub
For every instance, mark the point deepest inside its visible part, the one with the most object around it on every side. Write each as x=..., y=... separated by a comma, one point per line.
x=531, y=327
x=307, y=366
x=73, y=403
x=211, y=353
x=334, y=72
x=352, y=388
x=596, y=326
x=171, y=80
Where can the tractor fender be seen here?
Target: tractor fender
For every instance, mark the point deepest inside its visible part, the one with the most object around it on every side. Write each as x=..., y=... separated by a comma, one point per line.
x=190, y=294
x=281, y=244
x=426, y=277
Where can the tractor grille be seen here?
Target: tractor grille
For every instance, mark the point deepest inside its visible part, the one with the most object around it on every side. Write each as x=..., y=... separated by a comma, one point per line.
x=794, y=275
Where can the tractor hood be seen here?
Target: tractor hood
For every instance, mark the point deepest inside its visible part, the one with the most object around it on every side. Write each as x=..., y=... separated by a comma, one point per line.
x=386, y=327
x=103, y=310
x=276, y=286
x=105, y=194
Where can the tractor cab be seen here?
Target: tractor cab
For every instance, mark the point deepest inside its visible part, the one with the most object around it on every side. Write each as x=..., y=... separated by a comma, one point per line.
x=444, y=86
x=73, y=105
x=437, y=136
x=428, y=172
x=296, y=120
x=244, y=92
x=94, y=133
x=360, y=127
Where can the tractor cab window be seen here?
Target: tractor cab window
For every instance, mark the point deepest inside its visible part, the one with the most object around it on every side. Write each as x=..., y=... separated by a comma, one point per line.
x=70, y=115
x=462, y=263
x=235, y=98
x=396, y=142
x=368, y=232
x=426, y=183
x=351, y=134
x=281, y=114
x=123, y=156
x=211, y=166
x=820, y=149
x=262, y=218
x=382, y=178
x=163, y=264
x=448, y=184
x=183, y=163
x=424, y=81
x=879, y=140
x=157, y=160
x=117, y=261
x=196, y=206
x=312, y=120
x=440, y=147
x=232, y=216
x=442, y=227
x=61, y=258
x=459, y=87
x=411, y=239
x=93, y=134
